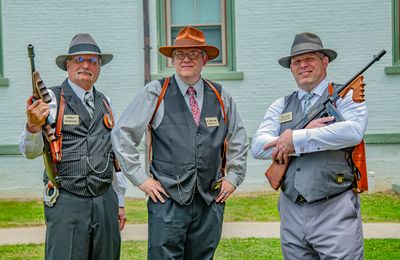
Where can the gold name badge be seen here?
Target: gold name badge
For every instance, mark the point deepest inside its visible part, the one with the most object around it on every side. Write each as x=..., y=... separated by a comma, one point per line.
x=212, y=121
x=286, y=117
x=71, y=120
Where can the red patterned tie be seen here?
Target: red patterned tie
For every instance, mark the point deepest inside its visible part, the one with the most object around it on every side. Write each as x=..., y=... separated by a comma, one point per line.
x=194, y=107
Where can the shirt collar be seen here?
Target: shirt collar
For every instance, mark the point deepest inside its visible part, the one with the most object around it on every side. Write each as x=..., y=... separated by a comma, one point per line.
x=318, y=90
x=183, y=87
x=80, y=92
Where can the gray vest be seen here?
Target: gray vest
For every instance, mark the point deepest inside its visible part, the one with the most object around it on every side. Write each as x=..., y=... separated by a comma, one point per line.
x=186, y=158
x=314, y=175
x=86, y=167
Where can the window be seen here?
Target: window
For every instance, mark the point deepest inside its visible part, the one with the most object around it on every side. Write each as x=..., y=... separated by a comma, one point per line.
x=3, y=81
x=215, y=18
x=395, y=69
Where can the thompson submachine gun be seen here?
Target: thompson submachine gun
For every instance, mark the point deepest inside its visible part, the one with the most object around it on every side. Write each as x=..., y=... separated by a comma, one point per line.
x=52, y=142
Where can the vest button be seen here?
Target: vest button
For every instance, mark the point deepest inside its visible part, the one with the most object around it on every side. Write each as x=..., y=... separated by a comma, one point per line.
x=298, y=169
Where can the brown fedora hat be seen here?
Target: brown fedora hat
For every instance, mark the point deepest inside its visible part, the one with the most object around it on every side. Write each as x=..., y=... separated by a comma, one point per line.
x=82, y=43
x=189, y=37
x=304, y=43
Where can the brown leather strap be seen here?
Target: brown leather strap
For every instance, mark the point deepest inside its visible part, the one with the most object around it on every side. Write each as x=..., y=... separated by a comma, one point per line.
x=159, y=100
x=219, y=99
x=56, y=145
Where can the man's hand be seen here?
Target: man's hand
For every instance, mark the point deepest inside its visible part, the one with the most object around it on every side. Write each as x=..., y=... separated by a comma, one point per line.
x=283, y=147
x=226, y=190
x=320, y=122
x=154, y=189
x=37, y=113
x=121, y=217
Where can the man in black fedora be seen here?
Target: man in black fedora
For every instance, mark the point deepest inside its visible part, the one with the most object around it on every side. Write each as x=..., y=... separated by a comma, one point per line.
x=84, y=221
x=319, y=212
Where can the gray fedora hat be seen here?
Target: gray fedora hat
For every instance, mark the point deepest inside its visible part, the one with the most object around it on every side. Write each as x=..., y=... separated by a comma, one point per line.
x=304, y=43
x=83, y=43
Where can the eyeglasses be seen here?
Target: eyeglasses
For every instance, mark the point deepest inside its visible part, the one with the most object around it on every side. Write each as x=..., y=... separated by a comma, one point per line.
x=91, y=60
x=193, y=55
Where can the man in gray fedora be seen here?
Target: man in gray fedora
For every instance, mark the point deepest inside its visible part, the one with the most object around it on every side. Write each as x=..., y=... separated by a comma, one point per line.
x=84, y=222
x=319, y=212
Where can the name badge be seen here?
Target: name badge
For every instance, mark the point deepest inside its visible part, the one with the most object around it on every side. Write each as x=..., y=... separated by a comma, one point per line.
x=286, y=117
x=71, y=120
x=212, y=121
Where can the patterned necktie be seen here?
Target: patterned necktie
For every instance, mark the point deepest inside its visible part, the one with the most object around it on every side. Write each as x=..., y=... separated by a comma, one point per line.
x=307, y=102
x=194, y=107
x=89, y=103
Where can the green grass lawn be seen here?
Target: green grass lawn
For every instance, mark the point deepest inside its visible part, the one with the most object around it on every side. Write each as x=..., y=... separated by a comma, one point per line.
x=230, y=249
x=251, y=207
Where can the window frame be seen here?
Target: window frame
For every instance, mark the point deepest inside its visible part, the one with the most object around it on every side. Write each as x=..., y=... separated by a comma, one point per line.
x=4, y=82
x=227, y=71
x=395, y=68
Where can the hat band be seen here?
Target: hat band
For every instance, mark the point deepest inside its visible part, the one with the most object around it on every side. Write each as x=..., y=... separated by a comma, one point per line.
x=82, y=47
x=189, y=42
x=305, y=47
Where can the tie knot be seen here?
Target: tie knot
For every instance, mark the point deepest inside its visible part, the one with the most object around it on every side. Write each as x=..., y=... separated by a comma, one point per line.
x=308, y=96
x=88, y=96
x=191, y=91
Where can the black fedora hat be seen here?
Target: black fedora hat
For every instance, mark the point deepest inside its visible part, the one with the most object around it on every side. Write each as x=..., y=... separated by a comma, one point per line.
x=304, y=43
x=82, y=43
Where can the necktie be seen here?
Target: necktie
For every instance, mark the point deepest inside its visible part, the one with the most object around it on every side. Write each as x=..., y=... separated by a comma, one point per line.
x=89, y=103
x=307, y=102
x=194, y=107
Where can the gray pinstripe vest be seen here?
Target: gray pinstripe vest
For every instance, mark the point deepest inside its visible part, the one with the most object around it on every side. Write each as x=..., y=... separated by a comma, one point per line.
x=314, y=175
x=86, y=168
x=186, y=157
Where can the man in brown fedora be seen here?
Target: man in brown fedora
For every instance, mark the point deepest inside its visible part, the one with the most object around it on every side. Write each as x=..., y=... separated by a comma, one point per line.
x=319, y=212
x=84, y=221
x=199, y=148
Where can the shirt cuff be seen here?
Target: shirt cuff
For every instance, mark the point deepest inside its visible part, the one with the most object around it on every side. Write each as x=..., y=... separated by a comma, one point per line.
x=121, y=199
x=300, y=141
x=137, y=178
x=234, y=179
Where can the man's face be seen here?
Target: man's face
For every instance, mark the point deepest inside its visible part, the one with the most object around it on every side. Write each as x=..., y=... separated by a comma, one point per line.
x=309, y=69
x=188, y=63
x=84, y=70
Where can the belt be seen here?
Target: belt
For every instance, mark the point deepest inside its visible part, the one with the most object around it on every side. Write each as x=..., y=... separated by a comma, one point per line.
x=301, y=200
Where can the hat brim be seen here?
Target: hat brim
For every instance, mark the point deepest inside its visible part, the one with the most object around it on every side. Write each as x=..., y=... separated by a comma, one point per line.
x=62, y=59
x=285, y=61
x=212, y=52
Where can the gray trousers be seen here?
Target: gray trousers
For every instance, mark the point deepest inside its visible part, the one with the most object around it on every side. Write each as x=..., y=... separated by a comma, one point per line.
x=331, y=229
x=82, y=227
x=184, y=232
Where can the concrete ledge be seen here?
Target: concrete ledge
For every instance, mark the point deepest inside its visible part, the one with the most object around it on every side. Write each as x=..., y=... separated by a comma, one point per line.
x=396, y=187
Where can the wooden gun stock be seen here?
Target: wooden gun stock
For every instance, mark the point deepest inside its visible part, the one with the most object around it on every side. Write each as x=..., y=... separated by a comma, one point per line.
x=275, y=173
x=359, y=160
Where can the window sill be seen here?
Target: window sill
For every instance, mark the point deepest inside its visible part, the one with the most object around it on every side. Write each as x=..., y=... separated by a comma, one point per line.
x=4, y=82
x=392, y=70
x=208, y=73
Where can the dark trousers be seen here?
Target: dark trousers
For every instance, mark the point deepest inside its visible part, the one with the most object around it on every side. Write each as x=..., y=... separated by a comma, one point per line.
x=184, y=232
x=83, y=228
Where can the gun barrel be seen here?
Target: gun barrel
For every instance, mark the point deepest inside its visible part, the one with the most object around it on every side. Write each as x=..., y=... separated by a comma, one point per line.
x=375, y=59
x=31, y=55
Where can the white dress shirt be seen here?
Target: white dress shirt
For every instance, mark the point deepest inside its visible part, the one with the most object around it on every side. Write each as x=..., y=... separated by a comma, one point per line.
x=31, y=144
x=331, y=137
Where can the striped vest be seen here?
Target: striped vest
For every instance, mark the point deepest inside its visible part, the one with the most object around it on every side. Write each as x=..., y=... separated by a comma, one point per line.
x=86, y=168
